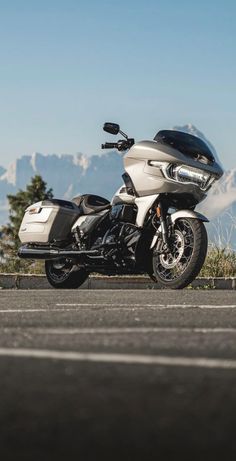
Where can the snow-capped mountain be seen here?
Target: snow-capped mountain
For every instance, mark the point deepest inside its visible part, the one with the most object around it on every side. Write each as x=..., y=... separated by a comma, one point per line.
x=67, y=175
x=220, y=208
x=2, y=171
x=70, y=175
x=222, y=196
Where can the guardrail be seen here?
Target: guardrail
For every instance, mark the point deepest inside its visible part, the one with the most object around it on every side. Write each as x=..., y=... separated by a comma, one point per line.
x=26, y=281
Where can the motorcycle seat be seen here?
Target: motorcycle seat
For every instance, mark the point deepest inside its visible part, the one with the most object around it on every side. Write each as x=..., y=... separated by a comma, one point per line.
x=90, y=204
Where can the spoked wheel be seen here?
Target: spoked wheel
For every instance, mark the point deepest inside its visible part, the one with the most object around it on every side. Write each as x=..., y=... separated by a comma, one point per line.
x=62, y=273
x=188, y=248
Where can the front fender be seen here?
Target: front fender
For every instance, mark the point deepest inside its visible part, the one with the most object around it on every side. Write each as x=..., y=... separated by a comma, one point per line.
x=177, y=215
x=187, y=214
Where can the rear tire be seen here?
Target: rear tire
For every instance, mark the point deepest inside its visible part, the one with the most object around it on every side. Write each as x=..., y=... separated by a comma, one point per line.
x=180, y=267
x=63, y=274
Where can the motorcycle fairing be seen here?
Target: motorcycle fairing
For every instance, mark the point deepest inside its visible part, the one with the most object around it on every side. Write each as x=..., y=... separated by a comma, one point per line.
x=187, y=144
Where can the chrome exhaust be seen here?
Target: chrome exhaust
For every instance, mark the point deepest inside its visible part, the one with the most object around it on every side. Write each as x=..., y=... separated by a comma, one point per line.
x=53, y=253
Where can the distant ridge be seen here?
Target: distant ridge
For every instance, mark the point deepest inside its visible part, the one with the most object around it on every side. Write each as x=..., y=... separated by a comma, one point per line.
x=2, y=171
x=68, y=175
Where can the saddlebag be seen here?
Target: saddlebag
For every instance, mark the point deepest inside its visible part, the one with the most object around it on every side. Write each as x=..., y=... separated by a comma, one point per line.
x=48, y=221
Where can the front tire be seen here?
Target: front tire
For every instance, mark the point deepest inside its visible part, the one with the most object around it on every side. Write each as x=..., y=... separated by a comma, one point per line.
x=63, y=274
x=181, y=265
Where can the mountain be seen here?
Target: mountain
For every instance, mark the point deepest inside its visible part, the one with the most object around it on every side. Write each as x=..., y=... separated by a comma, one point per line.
x=2, y=170
x=191, y=129
x=222, y=196
x=71, y=175
x=68, y=175
x=220, y=208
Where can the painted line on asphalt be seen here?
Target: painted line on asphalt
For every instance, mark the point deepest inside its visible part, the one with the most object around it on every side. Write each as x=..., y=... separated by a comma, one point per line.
x=132, y=307
x=125, y=330
x=152, y=306
x=126, y=359
x=13, y=311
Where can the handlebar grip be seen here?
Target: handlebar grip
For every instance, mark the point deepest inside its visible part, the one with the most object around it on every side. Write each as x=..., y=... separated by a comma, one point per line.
x=109, y=145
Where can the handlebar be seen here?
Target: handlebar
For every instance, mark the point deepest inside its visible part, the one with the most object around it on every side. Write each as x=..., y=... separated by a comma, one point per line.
x=121, y=145
x=109, y=145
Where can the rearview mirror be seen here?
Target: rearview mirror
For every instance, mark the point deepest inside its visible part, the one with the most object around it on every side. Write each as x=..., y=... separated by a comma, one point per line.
x=112, y=128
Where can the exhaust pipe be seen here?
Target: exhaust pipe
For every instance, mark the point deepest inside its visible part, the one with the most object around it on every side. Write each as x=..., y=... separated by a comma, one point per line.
x=55, y=253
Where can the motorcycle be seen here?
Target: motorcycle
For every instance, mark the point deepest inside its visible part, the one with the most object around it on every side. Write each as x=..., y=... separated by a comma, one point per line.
x=149, y=227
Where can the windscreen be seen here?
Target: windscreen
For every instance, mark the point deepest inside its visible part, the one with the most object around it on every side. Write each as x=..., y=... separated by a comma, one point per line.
x=187, y=144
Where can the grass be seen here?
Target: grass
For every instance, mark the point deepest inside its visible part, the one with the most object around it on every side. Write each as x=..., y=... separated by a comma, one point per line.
x=17, y=265
x=220, y=262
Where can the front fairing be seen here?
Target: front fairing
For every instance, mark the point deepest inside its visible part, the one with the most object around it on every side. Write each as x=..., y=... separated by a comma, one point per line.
x=189, y=145
x=152, y=150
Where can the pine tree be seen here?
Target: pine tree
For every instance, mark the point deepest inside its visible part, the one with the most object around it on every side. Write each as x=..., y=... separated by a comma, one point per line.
x=35, y=192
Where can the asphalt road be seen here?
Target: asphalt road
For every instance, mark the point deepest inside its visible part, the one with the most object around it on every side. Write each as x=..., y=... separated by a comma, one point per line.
x=117, y=375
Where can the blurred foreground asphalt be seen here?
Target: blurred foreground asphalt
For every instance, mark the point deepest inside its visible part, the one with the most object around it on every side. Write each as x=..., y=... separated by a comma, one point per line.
x=117, y=375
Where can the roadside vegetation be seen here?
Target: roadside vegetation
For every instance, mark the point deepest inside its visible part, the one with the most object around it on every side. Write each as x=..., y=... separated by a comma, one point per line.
x=220, y=262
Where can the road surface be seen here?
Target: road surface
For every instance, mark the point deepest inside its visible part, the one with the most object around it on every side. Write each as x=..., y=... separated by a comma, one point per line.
x=117, y=375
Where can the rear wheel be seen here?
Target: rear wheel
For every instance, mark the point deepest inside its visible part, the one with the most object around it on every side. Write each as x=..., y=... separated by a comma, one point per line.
x=188, y=248
x=62, y=273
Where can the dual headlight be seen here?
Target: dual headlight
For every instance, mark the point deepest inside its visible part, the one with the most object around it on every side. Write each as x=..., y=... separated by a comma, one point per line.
x=185, y=174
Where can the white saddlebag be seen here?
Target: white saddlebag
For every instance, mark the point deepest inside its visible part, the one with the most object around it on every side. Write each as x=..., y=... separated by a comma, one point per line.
x=48, y=221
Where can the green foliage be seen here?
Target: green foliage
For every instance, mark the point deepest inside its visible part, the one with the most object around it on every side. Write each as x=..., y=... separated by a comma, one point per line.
x=220, y=262
x=35, y=191
x=15, y=265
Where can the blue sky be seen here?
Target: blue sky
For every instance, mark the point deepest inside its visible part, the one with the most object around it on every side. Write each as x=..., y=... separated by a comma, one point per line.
x=68, y=66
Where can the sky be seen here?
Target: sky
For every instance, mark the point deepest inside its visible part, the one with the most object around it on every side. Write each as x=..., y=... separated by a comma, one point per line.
x=67, y=66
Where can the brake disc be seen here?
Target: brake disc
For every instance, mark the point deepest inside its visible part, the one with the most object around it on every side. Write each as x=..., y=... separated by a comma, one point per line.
x=169, y=260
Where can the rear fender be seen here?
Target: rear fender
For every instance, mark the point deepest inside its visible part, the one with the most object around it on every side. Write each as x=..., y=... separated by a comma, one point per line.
x=177, y=215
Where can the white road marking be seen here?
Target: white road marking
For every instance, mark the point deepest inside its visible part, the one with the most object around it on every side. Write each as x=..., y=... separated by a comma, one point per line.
x=132, y=307
x=144, y=306
x=118, y=305
x=12, y=311
x=132, y=359
x=125, y=330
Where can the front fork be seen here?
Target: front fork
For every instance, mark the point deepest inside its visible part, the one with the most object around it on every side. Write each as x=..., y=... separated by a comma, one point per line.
x=165, y=221
x=162, y=228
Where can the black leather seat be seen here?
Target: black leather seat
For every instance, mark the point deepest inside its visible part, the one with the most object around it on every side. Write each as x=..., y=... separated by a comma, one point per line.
x=90, y=204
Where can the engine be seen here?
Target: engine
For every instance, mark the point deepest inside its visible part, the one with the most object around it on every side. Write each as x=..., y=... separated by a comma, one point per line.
x=115, y=239
x=120, y=240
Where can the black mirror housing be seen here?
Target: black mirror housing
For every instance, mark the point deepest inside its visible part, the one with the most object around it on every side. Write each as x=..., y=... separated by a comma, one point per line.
x=112, y=128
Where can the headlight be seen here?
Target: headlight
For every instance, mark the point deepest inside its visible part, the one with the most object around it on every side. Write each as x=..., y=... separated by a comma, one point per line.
x=186, y=174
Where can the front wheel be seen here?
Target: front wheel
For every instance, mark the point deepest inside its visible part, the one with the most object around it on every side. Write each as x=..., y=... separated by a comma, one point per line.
x=178, y=267
x=62, y=273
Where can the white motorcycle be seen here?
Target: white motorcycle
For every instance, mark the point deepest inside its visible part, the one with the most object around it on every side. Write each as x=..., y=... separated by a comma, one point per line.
x=149, y=227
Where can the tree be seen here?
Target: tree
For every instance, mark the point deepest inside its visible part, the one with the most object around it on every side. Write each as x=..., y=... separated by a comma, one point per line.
x=35, y=191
